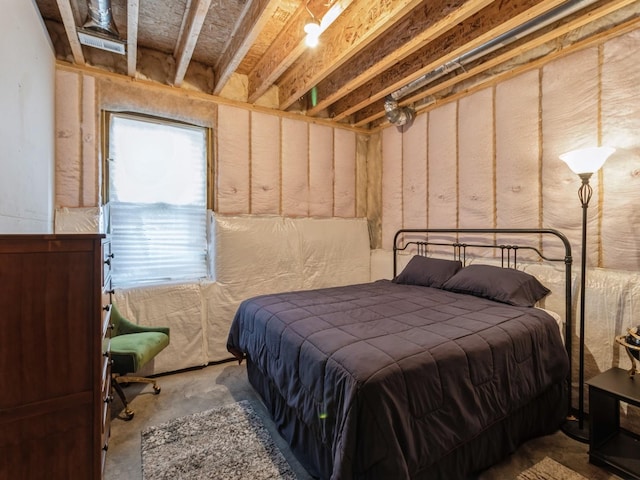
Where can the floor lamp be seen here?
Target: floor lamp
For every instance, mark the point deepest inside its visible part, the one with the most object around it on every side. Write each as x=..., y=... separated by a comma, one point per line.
x=584, y=162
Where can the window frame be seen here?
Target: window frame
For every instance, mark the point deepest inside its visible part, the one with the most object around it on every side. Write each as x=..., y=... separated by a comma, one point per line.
x=105, y=121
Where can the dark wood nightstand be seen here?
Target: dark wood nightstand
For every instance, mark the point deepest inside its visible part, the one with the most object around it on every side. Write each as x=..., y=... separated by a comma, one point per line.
x=610, y=446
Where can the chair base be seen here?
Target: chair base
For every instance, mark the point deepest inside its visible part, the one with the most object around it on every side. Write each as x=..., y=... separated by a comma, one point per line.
x=117, y=381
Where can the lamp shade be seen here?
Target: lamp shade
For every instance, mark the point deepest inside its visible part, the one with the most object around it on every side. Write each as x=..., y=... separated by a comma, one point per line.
x=587, y=160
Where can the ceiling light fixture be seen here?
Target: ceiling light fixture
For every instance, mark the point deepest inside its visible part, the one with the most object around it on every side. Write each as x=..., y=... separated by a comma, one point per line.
x=312, y=29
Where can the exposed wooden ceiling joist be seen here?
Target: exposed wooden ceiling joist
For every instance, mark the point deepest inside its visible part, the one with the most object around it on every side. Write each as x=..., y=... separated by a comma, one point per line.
x=256, y=15
x=372, y=113
x=69, y=21
x=133, y=11
x=369, y=49
x=288, y=46
x=187, y=41
x=489, y=23
x=356, y=28
x=425, y=23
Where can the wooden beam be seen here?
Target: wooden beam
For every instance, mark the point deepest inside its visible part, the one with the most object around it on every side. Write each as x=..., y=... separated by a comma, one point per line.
x=489, y=23
x=133, y=13
x=353, y=31
x=183, y=28
x=188, y=95
x=195, y=16
x=69, y=22
x=255, y=16
x=289, y=45
x=427, y=22
x=376, y=111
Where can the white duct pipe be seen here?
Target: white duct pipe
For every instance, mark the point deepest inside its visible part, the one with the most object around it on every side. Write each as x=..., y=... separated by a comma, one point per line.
x=500, y=41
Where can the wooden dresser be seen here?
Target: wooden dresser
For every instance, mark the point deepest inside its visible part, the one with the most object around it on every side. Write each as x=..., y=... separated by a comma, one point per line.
x=54, y=360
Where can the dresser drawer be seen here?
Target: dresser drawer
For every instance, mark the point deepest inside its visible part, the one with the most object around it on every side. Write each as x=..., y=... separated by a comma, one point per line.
x=106, y=319
x=107, y=400
x=106, y=431
x=107, y=260
x=106, y=362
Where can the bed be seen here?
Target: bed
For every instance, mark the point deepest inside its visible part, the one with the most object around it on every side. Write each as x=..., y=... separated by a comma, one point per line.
x=438, y=373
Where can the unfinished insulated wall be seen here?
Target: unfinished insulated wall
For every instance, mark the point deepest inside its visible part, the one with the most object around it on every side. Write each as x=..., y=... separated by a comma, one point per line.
x=76, y=150
x=265, y=165
x=491, y=160
x=442, y=195
x=282, y=166
x=620, y=222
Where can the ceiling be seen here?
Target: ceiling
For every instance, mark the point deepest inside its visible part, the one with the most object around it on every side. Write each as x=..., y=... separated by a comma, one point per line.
x=378, y=61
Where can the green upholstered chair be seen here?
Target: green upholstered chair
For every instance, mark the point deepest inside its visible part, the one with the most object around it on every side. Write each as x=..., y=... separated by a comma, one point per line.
x=132, y=346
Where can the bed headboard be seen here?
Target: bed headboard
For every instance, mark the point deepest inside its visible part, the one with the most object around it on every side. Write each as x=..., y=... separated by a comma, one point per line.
x=504, y=244
x=466, y=244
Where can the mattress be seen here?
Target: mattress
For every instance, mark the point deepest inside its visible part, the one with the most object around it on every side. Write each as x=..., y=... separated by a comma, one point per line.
x=384, y=379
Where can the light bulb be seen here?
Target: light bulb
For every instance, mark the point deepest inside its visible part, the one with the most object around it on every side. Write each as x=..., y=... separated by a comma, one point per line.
x=313, y=31
x=311, y=40
x=312, y=28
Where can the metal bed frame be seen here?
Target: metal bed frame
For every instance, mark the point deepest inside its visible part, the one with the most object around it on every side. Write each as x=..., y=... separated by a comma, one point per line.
x=418, y=239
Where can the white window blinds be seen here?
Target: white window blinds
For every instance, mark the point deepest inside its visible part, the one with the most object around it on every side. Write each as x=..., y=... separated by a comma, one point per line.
x=157, y=188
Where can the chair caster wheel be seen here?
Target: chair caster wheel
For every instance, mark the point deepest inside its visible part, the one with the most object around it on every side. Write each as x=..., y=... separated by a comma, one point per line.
x=156, y=389
x=128, y=414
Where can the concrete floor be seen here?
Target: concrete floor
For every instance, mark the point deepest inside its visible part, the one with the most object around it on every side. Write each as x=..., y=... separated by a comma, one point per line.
x=198, y=390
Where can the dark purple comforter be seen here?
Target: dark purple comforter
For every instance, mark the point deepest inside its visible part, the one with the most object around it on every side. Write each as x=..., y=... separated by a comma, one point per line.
x=390, y=378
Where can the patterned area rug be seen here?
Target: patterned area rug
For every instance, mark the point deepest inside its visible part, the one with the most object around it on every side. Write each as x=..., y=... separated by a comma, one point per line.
x=548, y=469
x=226, y=443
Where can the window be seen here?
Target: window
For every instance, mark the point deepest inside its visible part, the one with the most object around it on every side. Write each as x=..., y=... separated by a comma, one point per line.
x=157, y=192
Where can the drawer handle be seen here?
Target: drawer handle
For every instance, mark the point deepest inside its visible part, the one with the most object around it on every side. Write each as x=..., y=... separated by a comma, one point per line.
x=109, y=257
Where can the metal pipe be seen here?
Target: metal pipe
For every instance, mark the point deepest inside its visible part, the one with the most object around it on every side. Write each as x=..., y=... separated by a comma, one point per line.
x=500, y=41
x=100, y=18
x=398, y=115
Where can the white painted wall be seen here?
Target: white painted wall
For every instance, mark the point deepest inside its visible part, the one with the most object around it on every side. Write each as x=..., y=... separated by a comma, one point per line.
x=26, y=121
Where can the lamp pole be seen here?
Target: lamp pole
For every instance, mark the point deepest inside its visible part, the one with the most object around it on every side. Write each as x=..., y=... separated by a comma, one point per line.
x=584, y=194
x=584, y=162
